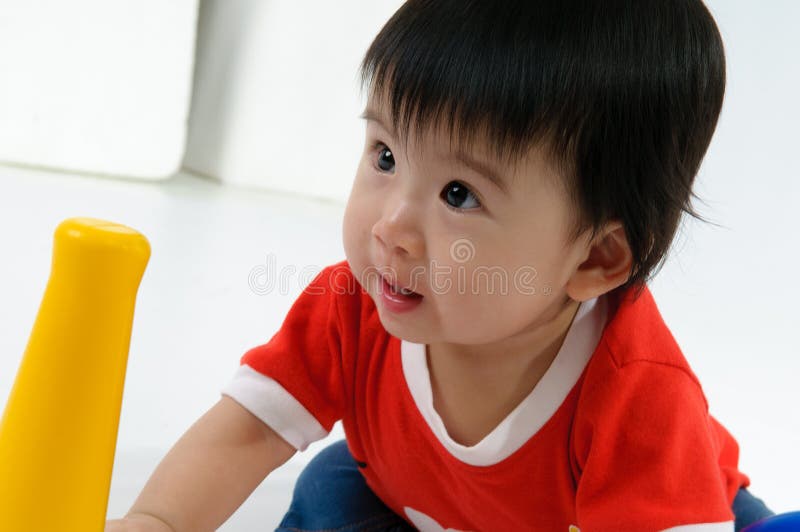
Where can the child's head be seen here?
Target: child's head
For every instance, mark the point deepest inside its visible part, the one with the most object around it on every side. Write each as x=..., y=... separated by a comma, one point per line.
x=593, y=116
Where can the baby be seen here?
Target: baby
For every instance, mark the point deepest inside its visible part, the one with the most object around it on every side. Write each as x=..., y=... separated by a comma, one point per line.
x=490, y=343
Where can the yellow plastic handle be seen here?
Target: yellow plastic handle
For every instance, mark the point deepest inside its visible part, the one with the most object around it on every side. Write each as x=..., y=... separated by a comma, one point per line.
x=58, y=433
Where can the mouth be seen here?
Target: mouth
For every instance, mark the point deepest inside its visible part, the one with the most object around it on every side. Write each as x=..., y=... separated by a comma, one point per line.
x=398, y=290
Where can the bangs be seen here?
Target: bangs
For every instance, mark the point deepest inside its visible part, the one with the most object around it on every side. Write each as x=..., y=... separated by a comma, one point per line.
x=479, y=72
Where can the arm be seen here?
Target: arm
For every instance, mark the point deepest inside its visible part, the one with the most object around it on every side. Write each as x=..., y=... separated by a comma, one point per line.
x=208, y=473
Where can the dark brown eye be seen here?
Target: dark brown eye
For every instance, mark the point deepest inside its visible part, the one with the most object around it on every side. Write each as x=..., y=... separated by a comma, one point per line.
x=385, y=159
x=458, y=196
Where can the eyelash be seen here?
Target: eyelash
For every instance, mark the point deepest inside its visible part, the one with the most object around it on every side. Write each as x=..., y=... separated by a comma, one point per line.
x=462, y=211
x=376, y=149
x=378, y=146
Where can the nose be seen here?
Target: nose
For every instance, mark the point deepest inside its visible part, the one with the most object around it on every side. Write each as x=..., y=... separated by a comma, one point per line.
x=397, y=230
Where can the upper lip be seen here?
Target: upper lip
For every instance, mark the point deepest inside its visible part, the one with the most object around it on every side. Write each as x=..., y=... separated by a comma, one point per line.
x=391, y=282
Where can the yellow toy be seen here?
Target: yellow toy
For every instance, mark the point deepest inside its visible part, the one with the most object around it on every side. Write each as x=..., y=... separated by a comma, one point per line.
x=59, y=430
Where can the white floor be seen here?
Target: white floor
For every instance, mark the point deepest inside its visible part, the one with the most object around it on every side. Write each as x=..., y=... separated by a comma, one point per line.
x=734, y=316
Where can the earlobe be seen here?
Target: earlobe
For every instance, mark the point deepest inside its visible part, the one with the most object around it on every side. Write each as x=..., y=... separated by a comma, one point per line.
x=607, y=265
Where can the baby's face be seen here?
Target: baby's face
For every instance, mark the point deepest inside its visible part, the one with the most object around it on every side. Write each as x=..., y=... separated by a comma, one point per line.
x=481, y=244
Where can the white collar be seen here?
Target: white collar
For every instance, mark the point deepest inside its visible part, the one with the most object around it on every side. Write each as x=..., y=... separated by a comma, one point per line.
x=534, y=411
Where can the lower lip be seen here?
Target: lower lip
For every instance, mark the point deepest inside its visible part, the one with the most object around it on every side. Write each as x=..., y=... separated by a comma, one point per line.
x=398, y=302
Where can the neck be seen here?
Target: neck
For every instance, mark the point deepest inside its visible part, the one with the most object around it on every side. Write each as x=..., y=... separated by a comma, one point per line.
x=491, y=379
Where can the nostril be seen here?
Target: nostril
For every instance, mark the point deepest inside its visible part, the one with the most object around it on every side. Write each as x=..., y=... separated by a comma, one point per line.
x=398, y=236
x=378, y=234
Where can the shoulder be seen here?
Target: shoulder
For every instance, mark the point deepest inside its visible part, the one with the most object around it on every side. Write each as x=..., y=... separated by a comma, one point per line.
x=638, y=360
x=642, y=435
x=636, y=339
x=350, y=303
x=333, y=280
x=336, y=285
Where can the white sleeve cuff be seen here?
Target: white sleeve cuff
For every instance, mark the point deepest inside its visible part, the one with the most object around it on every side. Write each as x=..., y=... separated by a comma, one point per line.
x=272, y=404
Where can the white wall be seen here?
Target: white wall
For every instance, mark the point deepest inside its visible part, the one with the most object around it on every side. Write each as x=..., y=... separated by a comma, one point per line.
x=275, y=96
x=730, y=294
x=96, y=86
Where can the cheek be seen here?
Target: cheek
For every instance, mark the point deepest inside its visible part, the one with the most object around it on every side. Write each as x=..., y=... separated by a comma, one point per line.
x=497, y=277
x=533, y=259
x=498, y=310
x=357, y=221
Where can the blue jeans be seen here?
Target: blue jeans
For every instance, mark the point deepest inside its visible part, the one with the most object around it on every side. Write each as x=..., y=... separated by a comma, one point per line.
x=331, y=495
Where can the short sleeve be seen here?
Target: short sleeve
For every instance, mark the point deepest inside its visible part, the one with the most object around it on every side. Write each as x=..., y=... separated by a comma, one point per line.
x=293, y=383
x=647, y=455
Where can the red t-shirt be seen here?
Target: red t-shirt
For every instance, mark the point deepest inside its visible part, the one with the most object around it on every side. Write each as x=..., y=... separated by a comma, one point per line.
x=615, y=437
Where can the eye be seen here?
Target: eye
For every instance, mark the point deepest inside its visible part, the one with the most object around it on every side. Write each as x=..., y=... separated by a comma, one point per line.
x=458, y=196
x=385, y=160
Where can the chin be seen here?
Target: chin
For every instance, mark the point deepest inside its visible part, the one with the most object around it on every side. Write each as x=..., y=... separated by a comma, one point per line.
x=403, y=333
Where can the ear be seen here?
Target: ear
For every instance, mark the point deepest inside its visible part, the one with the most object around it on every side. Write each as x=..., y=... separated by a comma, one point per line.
x=606, y=265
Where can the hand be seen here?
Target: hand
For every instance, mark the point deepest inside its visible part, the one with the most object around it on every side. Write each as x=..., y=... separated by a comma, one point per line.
x=137, y=523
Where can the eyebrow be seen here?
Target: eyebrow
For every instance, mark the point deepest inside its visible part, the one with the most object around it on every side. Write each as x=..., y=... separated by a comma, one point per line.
x=482, y=168
x=371, y=114
x=459, y=156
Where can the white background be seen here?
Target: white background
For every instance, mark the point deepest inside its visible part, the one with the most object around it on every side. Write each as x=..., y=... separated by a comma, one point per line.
x=728, y=294
x=96, y=86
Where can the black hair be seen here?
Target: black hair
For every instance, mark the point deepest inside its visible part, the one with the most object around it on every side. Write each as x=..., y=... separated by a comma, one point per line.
x=625, y=94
